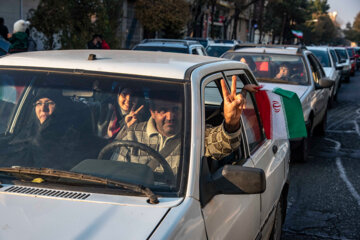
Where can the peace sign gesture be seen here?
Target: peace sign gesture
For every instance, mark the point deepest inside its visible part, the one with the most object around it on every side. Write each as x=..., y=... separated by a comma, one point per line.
x=131, y=118
x=233, y=106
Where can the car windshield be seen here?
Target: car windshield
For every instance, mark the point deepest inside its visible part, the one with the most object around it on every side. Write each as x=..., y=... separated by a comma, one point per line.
x=350, y=52
x=95, y=124
x=323, y=57
x=162, y=49
x=342, y=53
x=277, y=68
x=217, y=51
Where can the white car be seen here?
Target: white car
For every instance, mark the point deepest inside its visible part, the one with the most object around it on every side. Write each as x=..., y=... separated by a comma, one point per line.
x=58, y=177
x=328, y=62
x=296, y=69
x=344, y=63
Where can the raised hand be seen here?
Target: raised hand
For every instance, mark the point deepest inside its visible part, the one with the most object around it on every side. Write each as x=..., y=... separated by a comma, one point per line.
x=233, y=106
x=131, y=118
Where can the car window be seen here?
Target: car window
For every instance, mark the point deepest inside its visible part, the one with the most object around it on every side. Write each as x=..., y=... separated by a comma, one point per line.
x=67, y=121
x=342, y=54
x=214, y=115
x=11, y=89
x=333, y=56
x=252, y=122
x=194, y=51
x=322, y=56
x=270, y=67
x=316, y=69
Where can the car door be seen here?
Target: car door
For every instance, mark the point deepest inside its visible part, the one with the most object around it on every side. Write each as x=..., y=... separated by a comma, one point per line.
x=321, y=96
x=266, y=154
x=228, y=216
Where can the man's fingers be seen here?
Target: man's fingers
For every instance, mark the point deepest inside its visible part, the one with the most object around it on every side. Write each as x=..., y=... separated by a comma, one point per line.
x=233, y=86
x=225, y=92
x=139, y=109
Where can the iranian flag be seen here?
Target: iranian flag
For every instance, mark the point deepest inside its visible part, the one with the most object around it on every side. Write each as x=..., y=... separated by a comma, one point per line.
x=281, y=113
x=297, y=33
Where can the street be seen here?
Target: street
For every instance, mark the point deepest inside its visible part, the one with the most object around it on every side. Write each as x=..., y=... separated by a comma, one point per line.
x=324, y=196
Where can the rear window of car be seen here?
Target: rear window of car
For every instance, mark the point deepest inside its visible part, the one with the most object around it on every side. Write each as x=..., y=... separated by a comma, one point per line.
x=217, y=51
x=162, y=49
x=342, y=53
x=266, y=67
x=350, y=52
x=323, y=57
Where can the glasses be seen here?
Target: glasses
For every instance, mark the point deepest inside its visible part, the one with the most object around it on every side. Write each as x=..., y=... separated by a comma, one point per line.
x=46, y=104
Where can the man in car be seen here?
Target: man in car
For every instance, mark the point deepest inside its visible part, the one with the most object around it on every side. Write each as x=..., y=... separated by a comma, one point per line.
x=161, y=131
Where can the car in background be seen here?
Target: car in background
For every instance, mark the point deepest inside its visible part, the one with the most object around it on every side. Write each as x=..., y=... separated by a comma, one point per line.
x=203, y=41
x=83, y=193
x=344, y=63
x=171, y=45
x=218, y=49
x=305, y=77
x=329, y=65
x=227, y=41
x=357, y=56
x=351, y=53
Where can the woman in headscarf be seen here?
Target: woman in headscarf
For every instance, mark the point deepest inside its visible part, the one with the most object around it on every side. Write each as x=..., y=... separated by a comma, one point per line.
x=51, y=138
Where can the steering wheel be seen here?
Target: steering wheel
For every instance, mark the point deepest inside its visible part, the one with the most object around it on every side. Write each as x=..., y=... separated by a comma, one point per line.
x=156, y=156
x=296, y=77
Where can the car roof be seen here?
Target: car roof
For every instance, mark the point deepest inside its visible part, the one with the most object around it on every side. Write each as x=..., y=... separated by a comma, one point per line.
x=168, y=42
x=221, y=44
x=154, y=64
x=322, y=48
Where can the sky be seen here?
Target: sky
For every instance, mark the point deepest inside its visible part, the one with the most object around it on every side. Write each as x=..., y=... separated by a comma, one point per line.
x=346, y=9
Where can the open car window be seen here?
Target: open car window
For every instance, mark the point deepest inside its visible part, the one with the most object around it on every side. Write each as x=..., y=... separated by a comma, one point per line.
x=67, y=122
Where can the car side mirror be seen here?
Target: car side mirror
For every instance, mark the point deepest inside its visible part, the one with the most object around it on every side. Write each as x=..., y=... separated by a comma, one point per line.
x=230, y=179
x=324, y=83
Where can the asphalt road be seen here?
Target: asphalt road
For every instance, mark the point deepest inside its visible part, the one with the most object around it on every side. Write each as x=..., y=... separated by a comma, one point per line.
x=324, y=196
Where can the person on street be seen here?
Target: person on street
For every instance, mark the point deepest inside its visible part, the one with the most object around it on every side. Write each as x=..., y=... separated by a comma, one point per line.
x=3, y=29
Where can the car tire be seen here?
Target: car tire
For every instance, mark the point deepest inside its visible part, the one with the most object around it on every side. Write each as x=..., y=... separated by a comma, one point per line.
x=278, y=222
x=321, y=128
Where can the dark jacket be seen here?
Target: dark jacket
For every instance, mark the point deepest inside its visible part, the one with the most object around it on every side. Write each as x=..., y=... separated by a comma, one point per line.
x=19, y=42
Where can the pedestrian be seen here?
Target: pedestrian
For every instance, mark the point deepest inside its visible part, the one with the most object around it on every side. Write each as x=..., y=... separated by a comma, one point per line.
x=3, y=29
x=95, y=42
x=19, y=39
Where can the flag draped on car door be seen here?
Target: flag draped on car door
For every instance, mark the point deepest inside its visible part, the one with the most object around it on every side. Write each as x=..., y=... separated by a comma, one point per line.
x=281, y=114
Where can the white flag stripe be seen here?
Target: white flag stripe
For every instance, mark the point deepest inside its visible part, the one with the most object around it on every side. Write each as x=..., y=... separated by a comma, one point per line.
x=278, y=119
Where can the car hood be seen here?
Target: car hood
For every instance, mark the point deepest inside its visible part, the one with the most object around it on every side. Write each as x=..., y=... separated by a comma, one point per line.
x=100, y=216
x=298, y=89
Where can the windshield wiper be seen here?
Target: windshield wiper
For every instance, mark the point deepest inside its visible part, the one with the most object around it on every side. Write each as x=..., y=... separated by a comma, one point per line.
x=83, y=177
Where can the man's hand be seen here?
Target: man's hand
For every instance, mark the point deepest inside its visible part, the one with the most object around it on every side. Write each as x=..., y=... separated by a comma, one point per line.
x=252, y=87
x=131, y=118
x=233, y=106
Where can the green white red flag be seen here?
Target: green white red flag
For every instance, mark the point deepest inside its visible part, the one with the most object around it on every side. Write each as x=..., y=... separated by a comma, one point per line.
x=281, y=113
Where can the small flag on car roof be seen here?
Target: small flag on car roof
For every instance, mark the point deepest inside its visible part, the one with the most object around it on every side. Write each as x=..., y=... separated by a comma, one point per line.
x=281, y=113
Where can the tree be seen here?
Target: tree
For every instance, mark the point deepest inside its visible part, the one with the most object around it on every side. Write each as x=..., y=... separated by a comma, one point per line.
x=353, y=33
x=356, y=24
x=324, y=30
x=167, y=17
x=72, y=23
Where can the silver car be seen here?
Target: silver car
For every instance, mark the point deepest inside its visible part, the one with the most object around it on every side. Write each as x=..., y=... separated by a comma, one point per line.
x=58, y=176
x=296, y=69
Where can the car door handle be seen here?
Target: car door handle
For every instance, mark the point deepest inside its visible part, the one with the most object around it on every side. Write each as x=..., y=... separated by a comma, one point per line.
x=275, y=149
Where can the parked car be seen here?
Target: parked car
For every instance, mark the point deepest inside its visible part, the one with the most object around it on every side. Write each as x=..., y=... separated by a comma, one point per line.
x=203, y=41
x=329, y=65
x=351, y=53
x=304, y=76
x=218, y=49
x=171, y=45
x=357, y=57
x=82, y=192
x=344, y=63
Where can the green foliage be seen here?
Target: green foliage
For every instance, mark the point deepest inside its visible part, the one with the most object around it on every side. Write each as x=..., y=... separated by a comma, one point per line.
x=68, y=22
x=167, y=17
x=356, y=24
x=324, y=30
x=353, y=33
